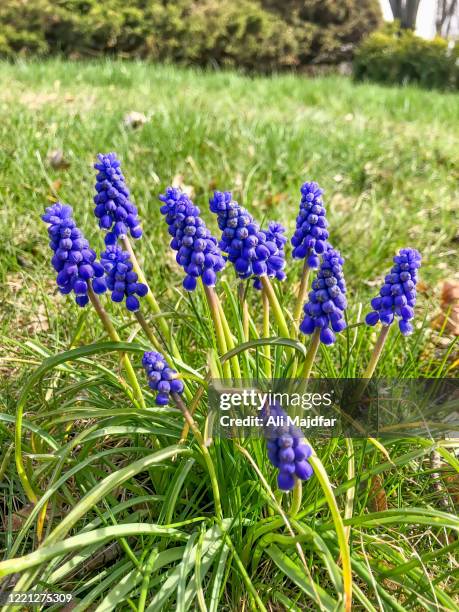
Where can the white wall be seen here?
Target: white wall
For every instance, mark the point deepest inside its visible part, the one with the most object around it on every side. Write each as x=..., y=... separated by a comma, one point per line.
x=425, y=23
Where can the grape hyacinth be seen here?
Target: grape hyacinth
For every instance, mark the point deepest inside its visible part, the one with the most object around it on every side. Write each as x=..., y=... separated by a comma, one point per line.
x=114, y=209
x=161, y=377
x=397, y=296
x=252, y=251
x=287, y=450
x=73, y=260
x=274, y=235
x=120, y=277
x=197, y=250
x=311, y=235
x=327, y=302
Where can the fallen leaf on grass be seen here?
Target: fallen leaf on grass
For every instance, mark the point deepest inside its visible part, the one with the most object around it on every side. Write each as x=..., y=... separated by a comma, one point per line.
x=19, y=517
x=179, y=182
x=449, y=304
x=377, y=499
x=57, y=160
x=134, y=120
x=275, y=199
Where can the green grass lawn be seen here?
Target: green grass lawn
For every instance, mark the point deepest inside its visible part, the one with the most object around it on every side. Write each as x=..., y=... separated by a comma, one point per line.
x=388, y=161
x=387, y=158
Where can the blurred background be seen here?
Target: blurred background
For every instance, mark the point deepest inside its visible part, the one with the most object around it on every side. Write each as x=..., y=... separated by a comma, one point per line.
x=255, y=35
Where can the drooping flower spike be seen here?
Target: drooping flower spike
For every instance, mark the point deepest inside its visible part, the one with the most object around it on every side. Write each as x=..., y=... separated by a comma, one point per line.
x=311, y=235
x=121, y=278
x=252, y=251
x=327, y=301
x=397, y=296
x=73, y=259
x=287, y=450
x=161, y=377
x=197, y=250
x=116, y=212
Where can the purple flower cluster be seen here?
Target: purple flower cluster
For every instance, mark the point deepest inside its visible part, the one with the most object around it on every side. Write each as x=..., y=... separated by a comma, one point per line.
x=121, y=278
x=397, y=296
x=161, y=377
x=287, y=450
x=274, y=235
x=114, y=209
x=197, y=249
x=327, y=302
x=252, y=251
x=311, y=235
x=73, y=260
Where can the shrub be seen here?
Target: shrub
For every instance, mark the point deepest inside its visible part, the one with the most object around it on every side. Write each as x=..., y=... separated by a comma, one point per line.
x=399, y=56
x=254, y=34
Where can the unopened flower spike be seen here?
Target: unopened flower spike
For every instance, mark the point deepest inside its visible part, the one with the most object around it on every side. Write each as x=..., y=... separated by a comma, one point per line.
x=252, y=251
x=197, y=250
x=397, y=296
x=116, y=212
x=121, y=278
x=287, y=449
x=161, y=377
x=311, y=235
x=73, y=259
x=327, y=301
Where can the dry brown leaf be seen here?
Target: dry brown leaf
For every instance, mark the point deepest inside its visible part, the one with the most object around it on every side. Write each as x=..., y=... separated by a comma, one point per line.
x=57, y=160
x=452, y=486
x=133, y=119
x=179, y=182
x=377, y=499
x=275, y=199
x=19, y=517
x=449, y=304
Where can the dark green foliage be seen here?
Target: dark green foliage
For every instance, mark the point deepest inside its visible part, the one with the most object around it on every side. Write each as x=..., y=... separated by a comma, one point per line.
x=254, y=34
x=399, y=56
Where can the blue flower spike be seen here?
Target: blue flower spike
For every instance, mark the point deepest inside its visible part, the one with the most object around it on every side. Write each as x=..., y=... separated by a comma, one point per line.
x=73, y=259
x=197, y=250
x=287, y=450
x=327, y=301
x=121, y=278
x=397, y=296
x=116, y=212
x=311, y=235
x=161, y=377
x=252, y=251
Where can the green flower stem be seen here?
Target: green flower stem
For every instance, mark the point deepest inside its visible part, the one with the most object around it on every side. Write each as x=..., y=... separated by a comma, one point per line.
x=266, y=334
x=311, y=354
x=113, y=334
x=165, y=330
x=144, y=587
x=212, y=300
x=194, y=404
x=205, y=451
x=380, y=342
x=297, y=497
x=148, y=332
x=245, y=311
x=371, y=367
x=301, y=295
x=275, y=306
x=229, y=340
